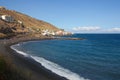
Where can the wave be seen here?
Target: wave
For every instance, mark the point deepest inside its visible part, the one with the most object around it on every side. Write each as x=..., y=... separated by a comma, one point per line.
x=20, y=52
x=55, y=68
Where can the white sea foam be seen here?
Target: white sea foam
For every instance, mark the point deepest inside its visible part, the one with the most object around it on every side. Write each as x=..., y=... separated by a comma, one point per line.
x=58, y=69
x=20, y=52
x=55, y=68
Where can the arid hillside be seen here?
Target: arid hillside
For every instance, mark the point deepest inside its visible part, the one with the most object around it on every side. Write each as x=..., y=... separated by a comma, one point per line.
x=21, y=23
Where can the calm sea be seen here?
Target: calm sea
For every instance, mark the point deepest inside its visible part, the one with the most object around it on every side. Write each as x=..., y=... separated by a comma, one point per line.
x=95, y=58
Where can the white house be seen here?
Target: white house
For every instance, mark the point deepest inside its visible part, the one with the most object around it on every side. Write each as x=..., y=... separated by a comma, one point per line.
x=59, y=32
x=45, y=32
x=53, y=33
x=7, y=18
x=20, y=22
x=48, y=33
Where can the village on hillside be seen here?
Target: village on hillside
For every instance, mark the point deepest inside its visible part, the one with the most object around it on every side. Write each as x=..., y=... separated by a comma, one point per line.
x=9, y=19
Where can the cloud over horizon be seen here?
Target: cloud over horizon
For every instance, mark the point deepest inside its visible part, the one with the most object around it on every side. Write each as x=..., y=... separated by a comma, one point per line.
x=115, y=29
x=98, y=29
x=87, y=28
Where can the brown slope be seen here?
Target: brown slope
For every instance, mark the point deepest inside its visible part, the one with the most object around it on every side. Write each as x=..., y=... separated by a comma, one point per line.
x=29, y=23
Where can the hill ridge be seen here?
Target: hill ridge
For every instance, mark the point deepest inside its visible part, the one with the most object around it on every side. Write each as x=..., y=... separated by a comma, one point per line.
x=23, y=23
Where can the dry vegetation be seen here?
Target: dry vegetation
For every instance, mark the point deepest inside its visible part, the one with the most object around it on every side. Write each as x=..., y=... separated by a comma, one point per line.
x=29, y=24
x=2, y=35
x=6, y=73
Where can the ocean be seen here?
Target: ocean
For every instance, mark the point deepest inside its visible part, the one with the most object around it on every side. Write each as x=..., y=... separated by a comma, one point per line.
x=97, y=57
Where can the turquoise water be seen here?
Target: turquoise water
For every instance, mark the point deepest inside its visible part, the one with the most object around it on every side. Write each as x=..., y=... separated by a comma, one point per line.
x=95, y=58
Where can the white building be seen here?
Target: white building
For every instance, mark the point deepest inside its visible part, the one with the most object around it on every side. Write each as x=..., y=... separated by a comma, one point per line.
x=7, y=18
x=48, y=33
x=59, y=32
x=63, y=33
x=20, y=22
x=53, y=33
x=45, y=32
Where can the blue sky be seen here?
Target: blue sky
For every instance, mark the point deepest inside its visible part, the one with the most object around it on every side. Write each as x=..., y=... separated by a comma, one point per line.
x=84, y=16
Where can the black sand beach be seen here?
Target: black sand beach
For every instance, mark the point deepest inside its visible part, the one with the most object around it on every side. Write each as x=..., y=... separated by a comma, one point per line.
x=24, y=66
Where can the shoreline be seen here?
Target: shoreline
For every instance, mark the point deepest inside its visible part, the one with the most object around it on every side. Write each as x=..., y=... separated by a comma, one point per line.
x=27, y=67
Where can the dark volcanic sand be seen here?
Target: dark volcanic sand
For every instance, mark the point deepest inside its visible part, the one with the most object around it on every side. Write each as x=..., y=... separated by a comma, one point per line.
x=25, y=66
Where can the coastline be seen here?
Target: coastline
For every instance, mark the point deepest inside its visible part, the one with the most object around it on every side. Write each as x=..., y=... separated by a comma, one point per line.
x=26, y=67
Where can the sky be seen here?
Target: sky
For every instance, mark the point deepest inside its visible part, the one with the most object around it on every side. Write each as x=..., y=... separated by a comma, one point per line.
x=78, y=16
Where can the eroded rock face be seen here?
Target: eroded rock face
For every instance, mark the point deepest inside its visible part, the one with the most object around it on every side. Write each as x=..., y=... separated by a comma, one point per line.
x=5, y=29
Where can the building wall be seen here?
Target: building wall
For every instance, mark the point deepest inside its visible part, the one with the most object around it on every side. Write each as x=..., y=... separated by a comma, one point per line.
x=7, y=18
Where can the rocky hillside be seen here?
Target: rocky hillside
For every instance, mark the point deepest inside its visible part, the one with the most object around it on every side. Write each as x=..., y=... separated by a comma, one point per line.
x=21, y=23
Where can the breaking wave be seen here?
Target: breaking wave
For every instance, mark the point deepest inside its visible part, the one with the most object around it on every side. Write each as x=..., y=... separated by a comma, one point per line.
x=55, y=68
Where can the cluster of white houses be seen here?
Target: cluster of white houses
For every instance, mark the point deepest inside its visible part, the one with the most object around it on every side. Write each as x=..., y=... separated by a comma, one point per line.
x=53, y=33
x=46, y=32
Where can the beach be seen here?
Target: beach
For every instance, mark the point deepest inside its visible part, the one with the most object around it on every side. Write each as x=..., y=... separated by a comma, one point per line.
x=27, y=68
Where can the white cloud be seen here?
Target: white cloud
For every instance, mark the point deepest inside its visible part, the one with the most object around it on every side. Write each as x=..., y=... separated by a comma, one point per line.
x=115, y=29
x=95, y=29
x=86, y=28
